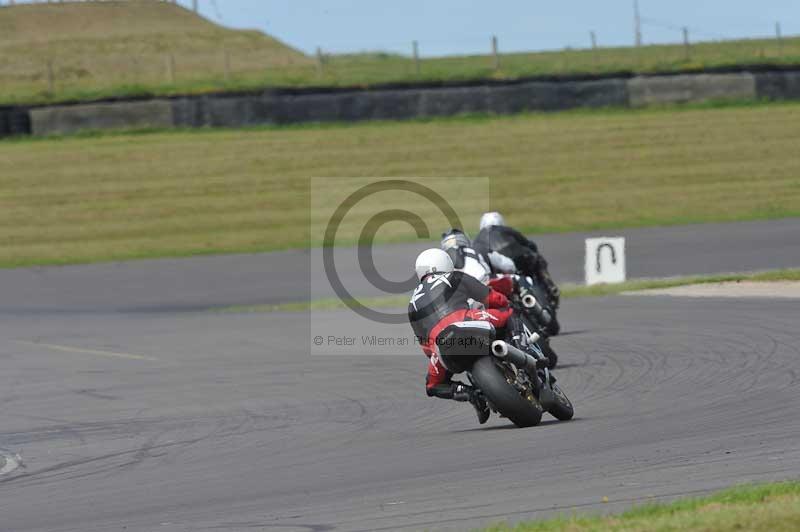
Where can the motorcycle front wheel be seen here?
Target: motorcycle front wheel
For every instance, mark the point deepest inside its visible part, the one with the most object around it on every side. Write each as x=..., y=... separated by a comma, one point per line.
x=562, y=409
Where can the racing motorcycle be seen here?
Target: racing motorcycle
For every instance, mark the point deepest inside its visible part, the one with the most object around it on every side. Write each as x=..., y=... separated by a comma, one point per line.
x=538, y=306
x=536, y=317
x=513, y=375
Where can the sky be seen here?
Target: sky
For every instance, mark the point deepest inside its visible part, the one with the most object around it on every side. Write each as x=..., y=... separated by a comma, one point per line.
x=447, y=27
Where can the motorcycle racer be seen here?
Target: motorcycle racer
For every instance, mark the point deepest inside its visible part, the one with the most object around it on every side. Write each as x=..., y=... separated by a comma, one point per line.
x=496, y=237
x=465, y=259
x=442, y=299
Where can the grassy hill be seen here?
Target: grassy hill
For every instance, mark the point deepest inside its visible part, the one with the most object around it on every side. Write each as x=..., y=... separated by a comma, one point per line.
x=107, y=48
x=78, y=51
x=97, y=20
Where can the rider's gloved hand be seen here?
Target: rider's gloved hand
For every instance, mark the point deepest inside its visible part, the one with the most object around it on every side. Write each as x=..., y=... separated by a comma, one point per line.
x=515, y=279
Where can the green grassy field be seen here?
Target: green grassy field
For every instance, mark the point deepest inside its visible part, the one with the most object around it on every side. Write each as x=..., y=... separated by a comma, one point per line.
x=128, y=196
x=124, y=48
x=765, y=508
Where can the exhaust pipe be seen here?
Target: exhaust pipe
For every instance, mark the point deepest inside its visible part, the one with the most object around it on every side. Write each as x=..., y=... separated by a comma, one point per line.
x=500, y=349
x=530, y=303
x=519, y=358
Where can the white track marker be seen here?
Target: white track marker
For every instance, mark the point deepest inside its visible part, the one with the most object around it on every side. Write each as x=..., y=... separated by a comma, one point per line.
x=605, y=260
x=68, y=349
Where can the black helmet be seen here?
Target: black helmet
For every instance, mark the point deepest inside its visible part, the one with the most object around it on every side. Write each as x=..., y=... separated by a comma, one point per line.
x=454, y=239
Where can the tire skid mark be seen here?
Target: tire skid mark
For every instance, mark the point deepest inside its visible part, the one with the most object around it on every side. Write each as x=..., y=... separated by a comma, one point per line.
x=9, y=462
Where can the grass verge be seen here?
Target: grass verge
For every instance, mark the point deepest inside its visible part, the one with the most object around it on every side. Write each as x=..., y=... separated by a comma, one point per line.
x=567, y=292
x=646, y=284
x=768, y=507
x=126, y=196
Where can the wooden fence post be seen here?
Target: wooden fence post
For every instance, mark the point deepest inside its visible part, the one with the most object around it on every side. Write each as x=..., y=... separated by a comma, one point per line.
x=686, y=44
x=51, y=78
x=495, y=55
x=136, y=69
x=227, y=59
x=170, y=60
x=320, y=62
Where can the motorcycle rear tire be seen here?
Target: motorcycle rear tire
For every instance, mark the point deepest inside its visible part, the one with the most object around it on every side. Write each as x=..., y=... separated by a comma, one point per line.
x=503, y=396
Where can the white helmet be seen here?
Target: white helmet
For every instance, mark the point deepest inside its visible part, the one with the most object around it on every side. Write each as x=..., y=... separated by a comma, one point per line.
x=433, y=261
x=491, y=219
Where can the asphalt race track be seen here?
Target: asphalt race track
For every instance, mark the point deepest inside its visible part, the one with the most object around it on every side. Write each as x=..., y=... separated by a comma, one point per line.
x=160, y=417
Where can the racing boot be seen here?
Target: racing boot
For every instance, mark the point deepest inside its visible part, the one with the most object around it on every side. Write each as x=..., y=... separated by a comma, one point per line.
x=464, y=393
x=478, y=402
x=552, y=357
x=540, y=268
x=553, y=293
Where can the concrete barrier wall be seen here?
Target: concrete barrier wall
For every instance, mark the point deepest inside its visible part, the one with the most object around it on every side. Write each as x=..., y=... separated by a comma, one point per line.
x=115, y=115
x=14, y=121
x=658, y=90
x=397, y=104
x=557, y=95
x=285, y=107
x=778, y=85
